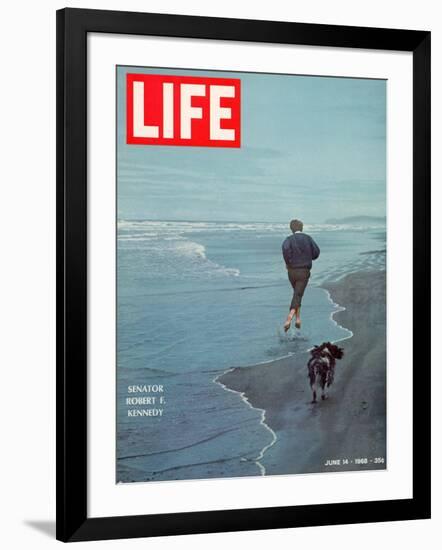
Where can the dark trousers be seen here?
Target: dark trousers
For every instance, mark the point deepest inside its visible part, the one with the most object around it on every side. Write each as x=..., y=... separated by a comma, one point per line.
x=298, y=278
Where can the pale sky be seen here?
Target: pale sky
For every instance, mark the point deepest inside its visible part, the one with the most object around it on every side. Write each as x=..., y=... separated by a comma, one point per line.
x=312, y=148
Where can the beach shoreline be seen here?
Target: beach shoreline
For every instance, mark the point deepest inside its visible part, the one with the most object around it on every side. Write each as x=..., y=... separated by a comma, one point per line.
x=347, y=431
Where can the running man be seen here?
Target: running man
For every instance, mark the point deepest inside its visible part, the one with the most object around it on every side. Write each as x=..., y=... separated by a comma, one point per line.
x=298, y=250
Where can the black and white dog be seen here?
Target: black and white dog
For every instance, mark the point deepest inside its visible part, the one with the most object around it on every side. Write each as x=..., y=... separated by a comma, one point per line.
x=321, y=367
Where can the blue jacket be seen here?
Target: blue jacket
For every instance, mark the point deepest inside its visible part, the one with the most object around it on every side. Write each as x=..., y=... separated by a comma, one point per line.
x=299, y=250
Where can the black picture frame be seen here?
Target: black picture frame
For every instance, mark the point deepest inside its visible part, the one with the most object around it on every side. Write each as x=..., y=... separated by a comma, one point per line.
x=73, y=25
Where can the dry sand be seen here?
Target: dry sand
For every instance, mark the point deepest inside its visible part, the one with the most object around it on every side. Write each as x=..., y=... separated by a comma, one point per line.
x=351, y=423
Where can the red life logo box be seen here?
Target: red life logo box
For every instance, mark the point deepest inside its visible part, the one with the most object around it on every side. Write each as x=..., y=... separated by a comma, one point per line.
x=183, y=110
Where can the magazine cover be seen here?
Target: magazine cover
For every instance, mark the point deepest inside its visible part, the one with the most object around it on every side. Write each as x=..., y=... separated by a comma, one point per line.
x=251, y=274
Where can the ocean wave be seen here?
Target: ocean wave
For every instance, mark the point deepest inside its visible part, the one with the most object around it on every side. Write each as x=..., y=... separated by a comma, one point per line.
x=196, y=252
x=169, y=249
x=162, y=228
x=191, y=249
x=172, y=248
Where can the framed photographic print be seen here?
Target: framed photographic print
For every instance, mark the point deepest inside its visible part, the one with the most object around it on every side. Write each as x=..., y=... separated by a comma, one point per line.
x=243, y=285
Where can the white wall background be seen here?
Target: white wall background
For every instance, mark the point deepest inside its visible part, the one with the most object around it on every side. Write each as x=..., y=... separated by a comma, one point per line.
x=27, y=274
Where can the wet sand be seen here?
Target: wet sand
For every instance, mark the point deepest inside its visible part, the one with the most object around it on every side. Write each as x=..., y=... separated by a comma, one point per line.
x=351, y=423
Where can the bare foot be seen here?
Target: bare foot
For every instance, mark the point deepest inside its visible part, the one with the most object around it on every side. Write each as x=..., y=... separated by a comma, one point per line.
x=287, y=325
x=298, y=323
